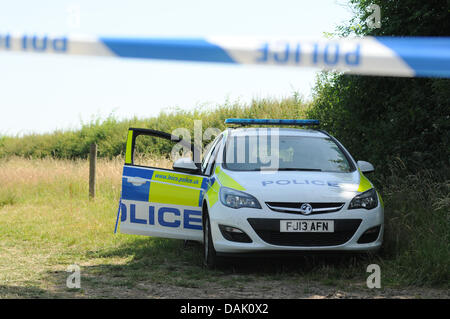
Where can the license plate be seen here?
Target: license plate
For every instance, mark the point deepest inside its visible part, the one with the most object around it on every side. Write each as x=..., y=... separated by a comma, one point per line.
x=307, y=226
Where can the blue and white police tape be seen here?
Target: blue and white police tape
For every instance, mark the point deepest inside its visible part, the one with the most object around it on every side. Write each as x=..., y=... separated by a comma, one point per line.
x=384, y=56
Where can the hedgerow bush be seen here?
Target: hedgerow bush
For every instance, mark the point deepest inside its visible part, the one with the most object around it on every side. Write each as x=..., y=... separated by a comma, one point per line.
x=110, y=134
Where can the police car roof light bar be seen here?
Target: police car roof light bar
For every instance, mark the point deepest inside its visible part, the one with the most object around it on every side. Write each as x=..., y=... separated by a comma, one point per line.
x=244, y=122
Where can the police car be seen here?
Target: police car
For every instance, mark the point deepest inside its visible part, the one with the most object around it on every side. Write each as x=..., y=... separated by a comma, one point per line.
x=258, y=189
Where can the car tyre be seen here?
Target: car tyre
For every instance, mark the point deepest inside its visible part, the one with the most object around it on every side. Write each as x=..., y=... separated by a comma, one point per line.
x=210, y=259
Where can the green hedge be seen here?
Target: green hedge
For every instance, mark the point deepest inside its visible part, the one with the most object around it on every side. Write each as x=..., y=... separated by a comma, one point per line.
x=110, y=133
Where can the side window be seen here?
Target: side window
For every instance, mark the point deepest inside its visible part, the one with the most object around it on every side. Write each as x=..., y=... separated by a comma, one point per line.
x=152, y=151
x=209, y=152
x=151, y=148
x=212, y=158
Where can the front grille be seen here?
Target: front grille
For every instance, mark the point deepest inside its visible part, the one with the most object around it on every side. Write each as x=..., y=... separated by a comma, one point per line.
x=294, y=207
x=269, y=231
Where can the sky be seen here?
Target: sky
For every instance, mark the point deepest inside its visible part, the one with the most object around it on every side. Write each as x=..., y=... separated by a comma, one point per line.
x=42, y=93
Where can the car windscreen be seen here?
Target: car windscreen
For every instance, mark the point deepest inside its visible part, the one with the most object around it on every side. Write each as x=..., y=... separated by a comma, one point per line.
x=296, y=153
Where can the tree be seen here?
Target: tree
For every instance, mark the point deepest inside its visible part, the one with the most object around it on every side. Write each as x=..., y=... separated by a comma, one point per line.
x=382, y=118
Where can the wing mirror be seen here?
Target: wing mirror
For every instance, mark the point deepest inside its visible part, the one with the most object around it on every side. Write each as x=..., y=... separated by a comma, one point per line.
x=365, y=167
x=185, y=164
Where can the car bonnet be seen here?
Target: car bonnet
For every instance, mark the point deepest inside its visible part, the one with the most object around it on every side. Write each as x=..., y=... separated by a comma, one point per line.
x=292, y=186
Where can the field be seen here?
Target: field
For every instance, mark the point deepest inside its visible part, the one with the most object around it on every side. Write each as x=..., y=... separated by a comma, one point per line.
x=47, y=223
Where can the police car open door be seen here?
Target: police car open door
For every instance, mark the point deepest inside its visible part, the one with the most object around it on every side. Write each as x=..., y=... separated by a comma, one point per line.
x=159, y=202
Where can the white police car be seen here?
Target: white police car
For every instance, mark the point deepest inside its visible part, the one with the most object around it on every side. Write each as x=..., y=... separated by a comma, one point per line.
x=257, y=190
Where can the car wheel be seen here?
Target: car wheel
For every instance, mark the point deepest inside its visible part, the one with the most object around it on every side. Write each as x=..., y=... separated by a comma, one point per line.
x=209, y=253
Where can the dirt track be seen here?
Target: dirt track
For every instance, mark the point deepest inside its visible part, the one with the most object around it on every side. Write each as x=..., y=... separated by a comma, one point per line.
x=276, y=291
x=266, y=289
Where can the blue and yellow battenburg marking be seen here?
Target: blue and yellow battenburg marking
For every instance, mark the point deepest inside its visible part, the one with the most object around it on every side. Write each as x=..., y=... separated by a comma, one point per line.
x=385, y=56
x=163, y=187
x=188, y=218
x=159, y=187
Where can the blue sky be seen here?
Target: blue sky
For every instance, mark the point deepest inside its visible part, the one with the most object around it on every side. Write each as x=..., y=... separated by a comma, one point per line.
x=41, y=93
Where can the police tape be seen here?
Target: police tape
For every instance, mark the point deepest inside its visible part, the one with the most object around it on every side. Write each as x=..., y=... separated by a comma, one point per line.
x=382, y=56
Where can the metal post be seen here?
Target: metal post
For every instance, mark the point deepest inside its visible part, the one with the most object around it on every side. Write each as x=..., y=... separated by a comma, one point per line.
x=92, y=170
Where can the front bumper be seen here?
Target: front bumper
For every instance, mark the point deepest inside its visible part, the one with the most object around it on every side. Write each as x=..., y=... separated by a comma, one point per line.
x=262, y=226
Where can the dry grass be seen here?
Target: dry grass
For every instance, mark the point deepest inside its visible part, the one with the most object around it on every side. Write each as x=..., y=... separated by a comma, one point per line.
x=47, y=221
x=17, y=171
x=19, y=175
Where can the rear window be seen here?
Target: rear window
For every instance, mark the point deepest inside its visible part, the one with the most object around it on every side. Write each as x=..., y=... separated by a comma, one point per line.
x=254, y=153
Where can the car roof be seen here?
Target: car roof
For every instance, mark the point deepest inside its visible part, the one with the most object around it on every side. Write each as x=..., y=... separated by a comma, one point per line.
x=252, y=131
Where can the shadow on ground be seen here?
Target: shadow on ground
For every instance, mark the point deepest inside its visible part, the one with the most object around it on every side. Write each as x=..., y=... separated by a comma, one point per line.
x=163, y=268
x=154, y=267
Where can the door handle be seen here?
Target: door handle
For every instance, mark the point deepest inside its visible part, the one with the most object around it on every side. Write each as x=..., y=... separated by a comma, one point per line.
x=136, y=181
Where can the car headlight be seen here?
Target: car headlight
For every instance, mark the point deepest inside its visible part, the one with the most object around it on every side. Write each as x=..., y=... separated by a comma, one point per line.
x=367, y=200
x=236, y=199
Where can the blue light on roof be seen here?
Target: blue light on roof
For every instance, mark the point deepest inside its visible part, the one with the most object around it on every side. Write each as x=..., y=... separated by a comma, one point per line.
x=271, y=122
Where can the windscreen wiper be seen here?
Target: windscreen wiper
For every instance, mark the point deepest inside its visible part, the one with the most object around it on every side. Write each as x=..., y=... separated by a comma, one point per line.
x=300, y=169
x=284, y=169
